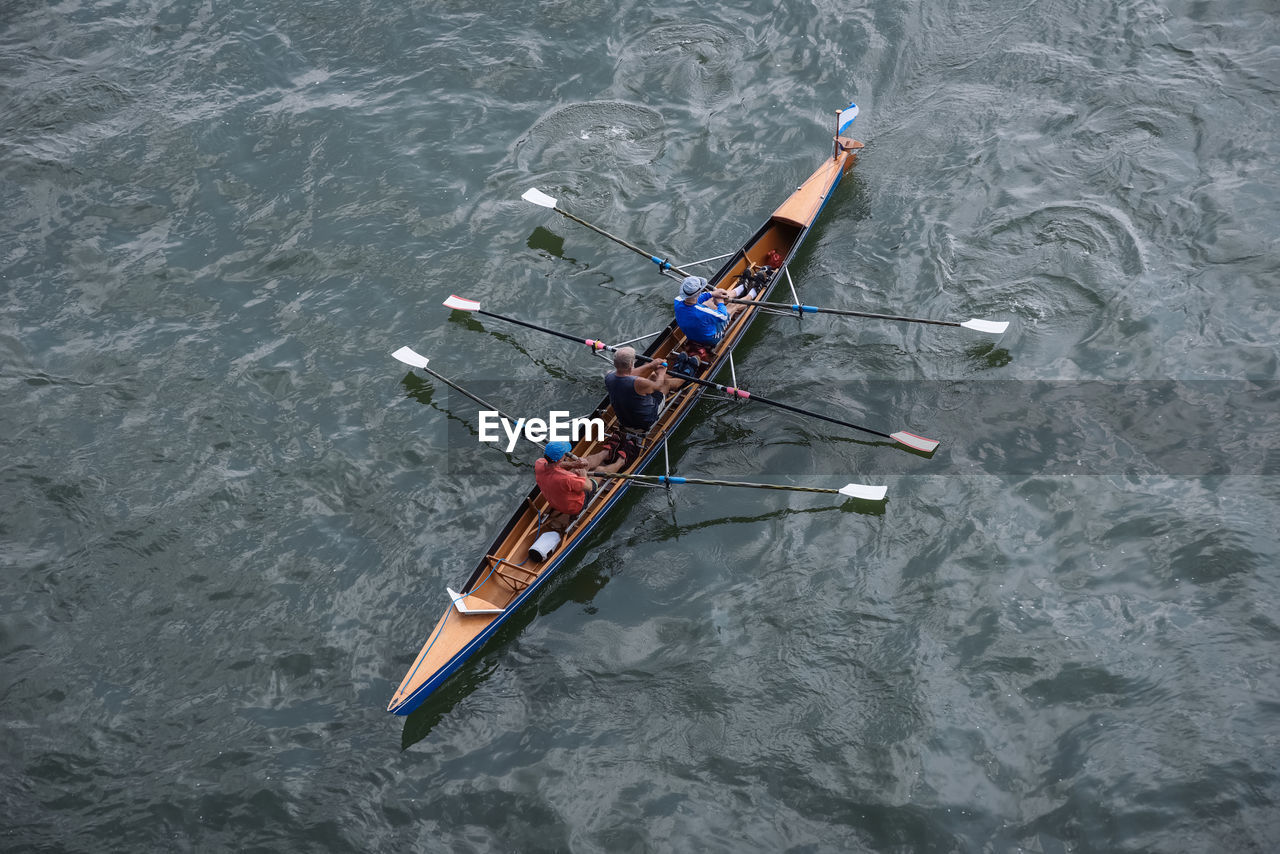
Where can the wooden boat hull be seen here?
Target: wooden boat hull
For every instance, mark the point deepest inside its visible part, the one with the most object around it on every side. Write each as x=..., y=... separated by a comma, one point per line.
x=504, y=578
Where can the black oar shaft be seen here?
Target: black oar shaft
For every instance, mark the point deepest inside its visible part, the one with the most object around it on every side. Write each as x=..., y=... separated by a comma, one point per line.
x=451, y=384
x=663, y=264
x=527, y=325
x=672, y=479
x=809, y=309
x=745, y=395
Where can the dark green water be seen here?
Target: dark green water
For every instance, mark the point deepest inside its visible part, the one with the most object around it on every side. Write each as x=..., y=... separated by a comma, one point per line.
x=229, y=517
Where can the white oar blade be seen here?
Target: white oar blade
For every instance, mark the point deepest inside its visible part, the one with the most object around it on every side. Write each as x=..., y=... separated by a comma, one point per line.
x=533, y=194
x=866, y=493
x=992, y=327
x=409, y=357
x=460, y=304
x=911, y=440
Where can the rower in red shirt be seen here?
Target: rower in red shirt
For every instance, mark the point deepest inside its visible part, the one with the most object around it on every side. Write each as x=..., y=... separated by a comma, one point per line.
x=562, y=479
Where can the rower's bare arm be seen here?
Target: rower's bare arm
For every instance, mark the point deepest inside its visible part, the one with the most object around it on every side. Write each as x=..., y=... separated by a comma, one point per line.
x=644, y=385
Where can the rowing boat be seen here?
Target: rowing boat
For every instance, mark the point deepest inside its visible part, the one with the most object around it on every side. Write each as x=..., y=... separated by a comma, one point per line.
x=511, y=571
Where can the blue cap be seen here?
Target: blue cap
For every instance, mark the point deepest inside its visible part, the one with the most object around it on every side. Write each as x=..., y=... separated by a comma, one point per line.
x=692, y=285
x=555, y=450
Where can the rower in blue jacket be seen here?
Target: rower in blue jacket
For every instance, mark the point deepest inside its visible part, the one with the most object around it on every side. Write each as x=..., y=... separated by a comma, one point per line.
x=701, y=313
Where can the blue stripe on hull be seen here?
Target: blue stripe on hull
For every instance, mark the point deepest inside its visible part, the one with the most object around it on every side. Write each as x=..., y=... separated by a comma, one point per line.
x=426, y=688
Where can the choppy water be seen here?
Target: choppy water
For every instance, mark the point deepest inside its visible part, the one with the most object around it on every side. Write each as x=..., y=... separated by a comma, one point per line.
x=229, y=517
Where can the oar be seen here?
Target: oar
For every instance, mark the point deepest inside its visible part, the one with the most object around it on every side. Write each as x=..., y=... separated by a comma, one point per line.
x=992, y=327
x=414, y=359
x=911, y=440
x=541, y=199
x=851, y=490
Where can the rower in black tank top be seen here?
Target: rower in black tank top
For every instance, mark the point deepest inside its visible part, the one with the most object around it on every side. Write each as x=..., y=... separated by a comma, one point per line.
x=637, y=411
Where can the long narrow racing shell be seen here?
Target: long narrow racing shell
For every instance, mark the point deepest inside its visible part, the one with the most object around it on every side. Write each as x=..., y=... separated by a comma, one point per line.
x=508, y=575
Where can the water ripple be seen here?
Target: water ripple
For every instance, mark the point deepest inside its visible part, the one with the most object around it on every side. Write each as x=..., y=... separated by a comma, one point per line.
x=229, y=517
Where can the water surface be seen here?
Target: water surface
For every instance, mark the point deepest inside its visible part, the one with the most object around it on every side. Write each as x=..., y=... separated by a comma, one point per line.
x=229, y=517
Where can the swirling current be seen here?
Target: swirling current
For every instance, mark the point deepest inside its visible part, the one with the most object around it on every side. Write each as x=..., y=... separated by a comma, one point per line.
x=229, y=517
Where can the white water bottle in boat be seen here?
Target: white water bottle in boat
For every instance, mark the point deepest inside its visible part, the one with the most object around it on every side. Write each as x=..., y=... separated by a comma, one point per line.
x=544, y=546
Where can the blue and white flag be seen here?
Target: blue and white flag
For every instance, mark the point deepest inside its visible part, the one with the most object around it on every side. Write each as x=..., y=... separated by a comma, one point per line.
x=847, y=115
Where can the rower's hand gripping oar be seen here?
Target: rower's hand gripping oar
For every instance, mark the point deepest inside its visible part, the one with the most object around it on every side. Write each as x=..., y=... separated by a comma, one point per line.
x=849, y=490
x=911, y=440
x=991, y=327
x=541, y=199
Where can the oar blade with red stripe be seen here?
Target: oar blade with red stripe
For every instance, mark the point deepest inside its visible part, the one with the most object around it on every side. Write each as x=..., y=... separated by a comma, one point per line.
x=919, y=443
x=458, y=303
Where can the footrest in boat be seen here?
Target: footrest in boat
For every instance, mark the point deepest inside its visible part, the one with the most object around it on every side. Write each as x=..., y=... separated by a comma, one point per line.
x=469, y=603
x=701, y=352
x=516, y=576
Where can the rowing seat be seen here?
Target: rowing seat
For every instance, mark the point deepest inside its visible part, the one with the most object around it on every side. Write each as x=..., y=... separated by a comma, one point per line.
x=549, y=518
x=517, y=577
x=470, y=603
x=633, y=440
x=559, y=522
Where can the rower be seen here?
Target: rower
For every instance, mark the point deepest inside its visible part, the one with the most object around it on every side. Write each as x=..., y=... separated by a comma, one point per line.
x=561, y=476
x=701, y=323
x=636, y=392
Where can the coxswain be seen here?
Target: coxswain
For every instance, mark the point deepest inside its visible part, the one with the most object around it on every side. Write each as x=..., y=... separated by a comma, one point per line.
x=701, y=313
x=562, y=477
